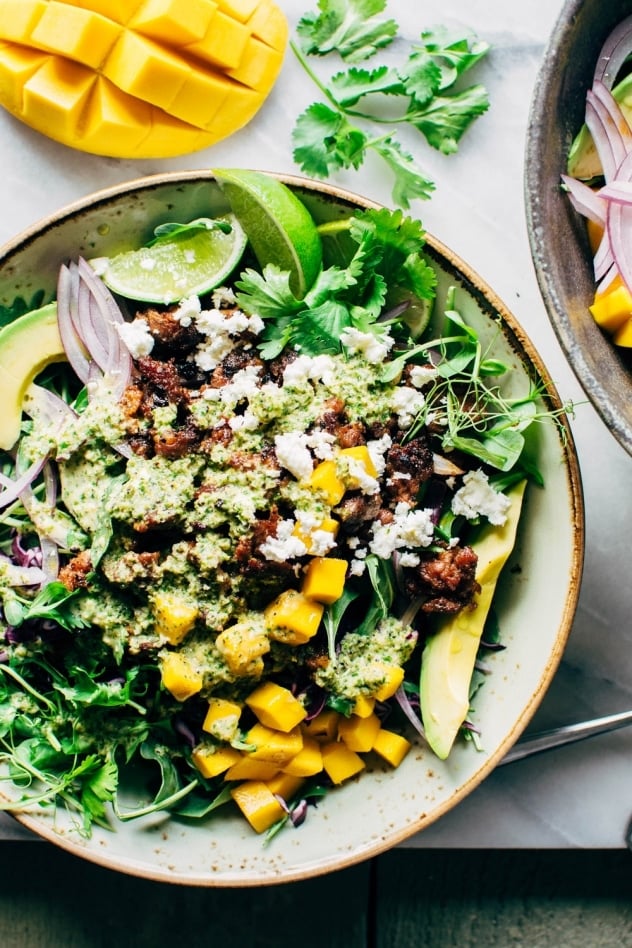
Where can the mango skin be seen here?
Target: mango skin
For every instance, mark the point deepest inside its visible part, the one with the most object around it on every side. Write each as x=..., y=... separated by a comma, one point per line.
x=145, y=79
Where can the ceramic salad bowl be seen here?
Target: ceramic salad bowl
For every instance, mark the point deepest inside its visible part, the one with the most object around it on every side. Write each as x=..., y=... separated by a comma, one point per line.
x=535, y=600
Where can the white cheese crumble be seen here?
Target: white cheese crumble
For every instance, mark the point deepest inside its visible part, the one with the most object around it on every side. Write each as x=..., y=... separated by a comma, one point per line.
x=321, y=443
x=223, y=296
x=309, y=368
x=477, y=497
x=377, y=450
x=373, y=349
x=284, y=546
x=420, y=375
x=222, y=330
x=407, y=403
x=188, y=310
x=409, y=528
x=293, y=454
x=136, y=337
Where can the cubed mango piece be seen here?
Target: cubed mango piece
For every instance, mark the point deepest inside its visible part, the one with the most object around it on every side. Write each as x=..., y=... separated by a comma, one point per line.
x=359, y=464
x=258, y=804
x=323, y=727
x=340, y=762
x=364, y=706
x=258, y=66
x=19, y=18
x=308, y=761
x=179, y=676
x=171, y=21
x=359, y=733
x=241, y=10
x=173, y=615
x=276, y=706
x=324, y=478
x=391, y=747
x=623, y=335
x=293, y=611
x=212, y=761
x=327, y=525
x=241, y=646
x=277, y=747
x=324, y=579
x=285, y=785
x=222, y=718
x=613, y=308
x=246, y=768
x=81, y=35
x=223, y=42
x=393, y=677
x=58, y=94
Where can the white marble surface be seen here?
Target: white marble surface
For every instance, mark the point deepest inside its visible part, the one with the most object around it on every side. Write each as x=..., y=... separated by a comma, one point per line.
x=578, y=796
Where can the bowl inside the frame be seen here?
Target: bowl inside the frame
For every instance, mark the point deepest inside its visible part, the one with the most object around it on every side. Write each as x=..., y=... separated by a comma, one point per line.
x=536, y=598
x=557, y=234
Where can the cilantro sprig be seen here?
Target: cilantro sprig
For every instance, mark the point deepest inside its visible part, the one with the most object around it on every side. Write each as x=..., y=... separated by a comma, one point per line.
x=388, y=254
x=423, y=92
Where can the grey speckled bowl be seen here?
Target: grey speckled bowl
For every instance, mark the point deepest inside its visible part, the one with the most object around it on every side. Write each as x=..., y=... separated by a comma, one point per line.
x=559, y=244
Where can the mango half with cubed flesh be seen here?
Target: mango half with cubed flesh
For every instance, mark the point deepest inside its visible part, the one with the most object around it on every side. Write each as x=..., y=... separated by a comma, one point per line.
x=139, y=78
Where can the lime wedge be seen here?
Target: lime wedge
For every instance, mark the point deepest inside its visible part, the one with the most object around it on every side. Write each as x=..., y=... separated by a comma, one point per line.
x=189, y=263
x=280, y=229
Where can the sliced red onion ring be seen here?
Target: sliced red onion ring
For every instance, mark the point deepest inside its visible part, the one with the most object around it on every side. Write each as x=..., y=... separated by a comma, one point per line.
x=13, y=488
x=402, y=699
x=606, y=135
x=614, y=52
x=67, y=289
x=585, y=200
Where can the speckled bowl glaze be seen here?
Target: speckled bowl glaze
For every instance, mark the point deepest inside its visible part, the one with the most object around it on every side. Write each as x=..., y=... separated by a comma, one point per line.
x=559, y=244
x=536, y=599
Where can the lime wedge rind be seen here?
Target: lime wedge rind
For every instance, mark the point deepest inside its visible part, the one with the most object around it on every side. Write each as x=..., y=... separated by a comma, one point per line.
x=171, y=270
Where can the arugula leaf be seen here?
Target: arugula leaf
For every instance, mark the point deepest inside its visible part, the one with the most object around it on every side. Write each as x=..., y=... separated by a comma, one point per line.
x=53, y=602
x=351, y=27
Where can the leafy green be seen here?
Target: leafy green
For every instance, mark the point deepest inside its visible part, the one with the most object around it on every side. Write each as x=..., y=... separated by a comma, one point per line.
x=53, y=602
x=169, y=230
x=424, y=92
x=388, y=252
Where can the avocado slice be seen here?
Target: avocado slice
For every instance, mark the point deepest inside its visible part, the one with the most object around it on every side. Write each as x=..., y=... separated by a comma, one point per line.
x=583, y=160
x=449, y=655
x=27, y=345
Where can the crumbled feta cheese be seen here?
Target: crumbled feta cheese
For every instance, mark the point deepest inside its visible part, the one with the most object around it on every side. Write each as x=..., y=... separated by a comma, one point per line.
x=477, y=497
x=243, y=385
x=420, y=375
x=373, y=349
x=409, y=559
x=357, y=567
x=223, y=295
x=284, y=546
x=136, y=337
x=188, y=310
x=377, y=450
x=309, y=368
x=407, y=403
x=321, y=443
x=361, y=479
x=409, y=528
x=245, y=422
x=293, y=454
x=321, y=542
x=221, y=330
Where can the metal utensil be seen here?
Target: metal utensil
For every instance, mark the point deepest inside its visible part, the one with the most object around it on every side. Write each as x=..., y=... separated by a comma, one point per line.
x=568, y=734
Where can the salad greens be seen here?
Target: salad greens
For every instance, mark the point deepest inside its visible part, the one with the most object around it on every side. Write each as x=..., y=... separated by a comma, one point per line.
x=77, y=709
x=424, y=92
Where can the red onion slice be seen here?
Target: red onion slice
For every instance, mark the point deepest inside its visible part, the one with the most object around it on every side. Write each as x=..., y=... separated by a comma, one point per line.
x=73, y=346
x=585, y=199
x=614, y=52
x=619, y=224
x=606, y=134
x=13, y=488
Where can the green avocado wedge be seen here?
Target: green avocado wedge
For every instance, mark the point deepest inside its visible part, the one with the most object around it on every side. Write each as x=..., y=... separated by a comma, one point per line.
x=583, y=160
x=449, y=655
x=27, y=345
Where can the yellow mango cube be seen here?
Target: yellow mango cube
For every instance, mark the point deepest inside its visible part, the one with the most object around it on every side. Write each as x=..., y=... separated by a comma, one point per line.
x=246, y=768
x=285, y=785
x=58, y=93
x=358, y=455
x=241, y=646
x=623, y=335
x=340, y=762
x=213, y=761
x=174, y=616
x=223, y=42
x=20, y=18
x=364, y=706
x=324, y=579
x=222, y=718
x=359, y=733
x=391, y=747
x=393, y=677
x=327, y=525
x=324, y=478
x=179, y=676
x=171, y=21
x=613, y=308
x=274, y=746
x=258, y=804
x=241, y=10
x=294, y=612
x=82, y=35
x=324, y=727
x=308, y=761
x=276, y=707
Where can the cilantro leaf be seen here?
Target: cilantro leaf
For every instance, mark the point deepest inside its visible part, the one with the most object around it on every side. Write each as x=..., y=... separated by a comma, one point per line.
x=453, y=53
x=324, y=140
x=353, y=28
x=410, y=181
x=350, y=86
x=446, y=118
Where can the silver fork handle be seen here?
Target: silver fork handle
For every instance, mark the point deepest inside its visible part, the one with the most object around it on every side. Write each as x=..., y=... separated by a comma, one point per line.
x=558, y=736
